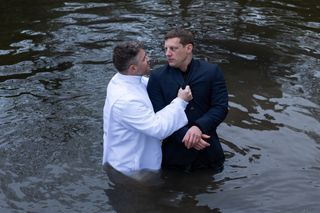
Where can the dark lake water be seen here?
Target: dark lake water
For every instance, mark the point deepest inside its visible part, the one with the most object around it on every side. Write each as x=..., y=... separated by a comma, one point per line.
x=55, y=63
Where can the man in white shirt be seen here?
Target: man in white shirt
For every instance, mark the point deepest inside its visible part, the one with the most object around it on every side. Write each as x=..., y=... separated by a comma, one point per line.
x=132, y=131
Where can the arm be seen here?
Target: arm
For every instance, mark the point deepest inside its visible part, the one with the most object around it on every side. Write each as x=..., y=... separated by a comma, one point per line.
x=216, y=113
x=141, y=118
x=218, y=105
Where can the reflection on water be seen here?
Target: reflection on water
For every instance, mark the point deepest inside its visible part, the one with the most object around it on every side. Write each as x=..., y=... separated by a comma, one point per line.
x=164, y=192
x=55, y=62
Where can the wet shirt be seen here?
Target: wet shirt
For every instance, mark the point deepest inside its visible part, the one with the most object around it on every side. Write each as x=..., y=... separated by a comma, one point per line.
x=132, y=131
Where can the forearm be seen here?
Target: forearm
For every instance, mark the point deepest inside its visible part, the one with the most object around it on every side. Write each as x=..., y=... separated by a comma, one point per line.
x=218, y=108
x=212, y=119
x=178, y=135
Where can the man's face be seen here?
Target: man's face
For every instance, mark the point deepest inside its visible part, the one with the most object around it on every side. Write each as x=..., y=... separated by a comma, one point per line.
x=143, y=66
x=176, y=53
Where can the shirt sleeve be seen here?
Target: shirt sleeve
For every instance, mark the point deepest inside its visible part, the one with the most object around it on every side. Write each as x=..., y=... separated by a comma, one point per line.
x=137, y=116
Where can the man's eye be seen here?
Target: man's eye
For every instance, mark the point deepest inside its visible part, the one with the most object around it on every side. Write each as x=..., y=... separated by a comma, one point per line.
x=171, y=49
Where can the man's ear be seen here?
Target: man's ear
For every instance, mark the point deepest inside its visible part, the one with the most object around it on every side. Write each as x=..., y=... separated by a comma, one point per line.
x=132, y=69
x=189, y=47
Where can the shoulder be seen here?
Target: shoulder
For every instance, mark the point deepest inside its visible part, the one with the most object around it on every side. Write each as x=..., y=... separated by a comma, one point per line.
x=206, y=65
x=160, y=71
x=209, y=69
x=119, y=92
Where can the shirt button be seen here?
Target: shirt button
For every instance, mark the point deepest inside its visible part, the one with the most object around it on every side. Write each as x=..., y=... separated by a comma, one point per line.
x=192, y=108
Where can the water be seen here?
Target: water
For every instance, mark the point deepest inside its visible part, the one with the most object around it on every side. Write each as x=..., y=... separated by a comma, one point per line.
x=55, y=63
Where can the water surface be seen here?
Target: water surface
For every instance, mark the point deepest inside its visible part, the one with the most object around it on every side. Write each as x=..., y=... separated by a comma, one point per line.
x=55, y=63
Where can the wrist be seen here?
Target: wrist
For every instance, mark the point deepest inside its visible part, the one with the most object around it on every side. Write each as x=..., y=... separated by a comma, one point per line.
x=182, y=102
x=196, y=125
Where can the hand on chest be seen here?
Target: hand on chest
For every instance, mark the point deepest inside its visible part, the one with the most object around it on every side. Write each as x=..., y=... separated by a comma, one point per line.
x=200, y=86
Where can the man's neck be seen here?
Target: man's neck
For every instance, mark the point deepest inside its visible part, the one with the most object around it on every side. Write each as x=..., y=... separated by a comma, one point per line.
x=185, y=66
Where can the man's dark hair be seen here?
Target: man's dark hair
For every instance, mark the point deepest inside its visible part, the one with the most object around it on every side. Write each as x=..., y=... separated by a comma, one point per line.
x=186, y=37
x=125, y=53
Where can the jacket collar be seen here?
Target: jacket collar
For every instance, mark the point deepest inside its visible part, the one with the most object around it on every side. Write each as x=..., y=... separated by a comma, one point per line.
x=178, y=75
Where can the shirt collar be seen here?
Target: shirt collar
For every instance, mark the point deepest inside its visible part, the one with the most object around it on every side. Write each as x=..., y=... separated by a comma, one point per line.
x=129, y=78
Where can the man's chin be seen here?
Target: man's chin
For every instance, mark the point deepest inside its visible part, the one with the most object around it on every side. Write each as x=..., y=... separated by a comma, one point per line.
x=171, y=64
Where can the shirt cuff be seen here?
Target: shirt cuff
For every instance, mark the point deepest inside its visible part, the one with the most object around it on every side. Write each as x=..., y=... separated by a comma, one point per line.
x=180, y=101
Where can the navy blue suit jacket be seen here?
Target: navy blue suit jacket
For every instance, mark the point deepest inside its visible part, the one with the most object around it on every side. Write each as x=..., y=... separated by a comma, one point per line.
x=207, y=110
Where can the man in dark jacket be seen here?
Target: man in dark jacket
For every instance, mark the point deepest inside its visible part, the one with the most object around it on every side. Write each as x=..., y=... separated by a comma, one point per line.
x=205, y=112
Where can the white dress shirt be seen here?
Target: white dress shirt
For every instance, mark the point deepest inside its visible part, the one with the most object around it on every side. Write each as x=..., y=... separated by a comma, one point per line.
x=132, y=131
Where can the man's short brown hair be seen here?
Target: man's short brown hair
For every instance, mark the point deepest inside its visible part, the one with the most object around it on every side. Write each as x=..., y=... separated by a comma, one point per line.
x=125, y=53
x=186, y=37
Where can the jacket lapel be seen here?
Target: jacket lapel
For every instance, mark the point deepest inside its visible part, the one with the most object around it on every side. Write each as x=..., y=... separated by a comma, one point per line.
x=177, y=76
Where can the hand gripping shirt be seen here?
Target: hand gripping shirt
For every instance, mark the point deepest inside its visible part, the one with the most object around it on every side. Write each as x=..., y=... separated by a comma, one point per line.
x=132, y=131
